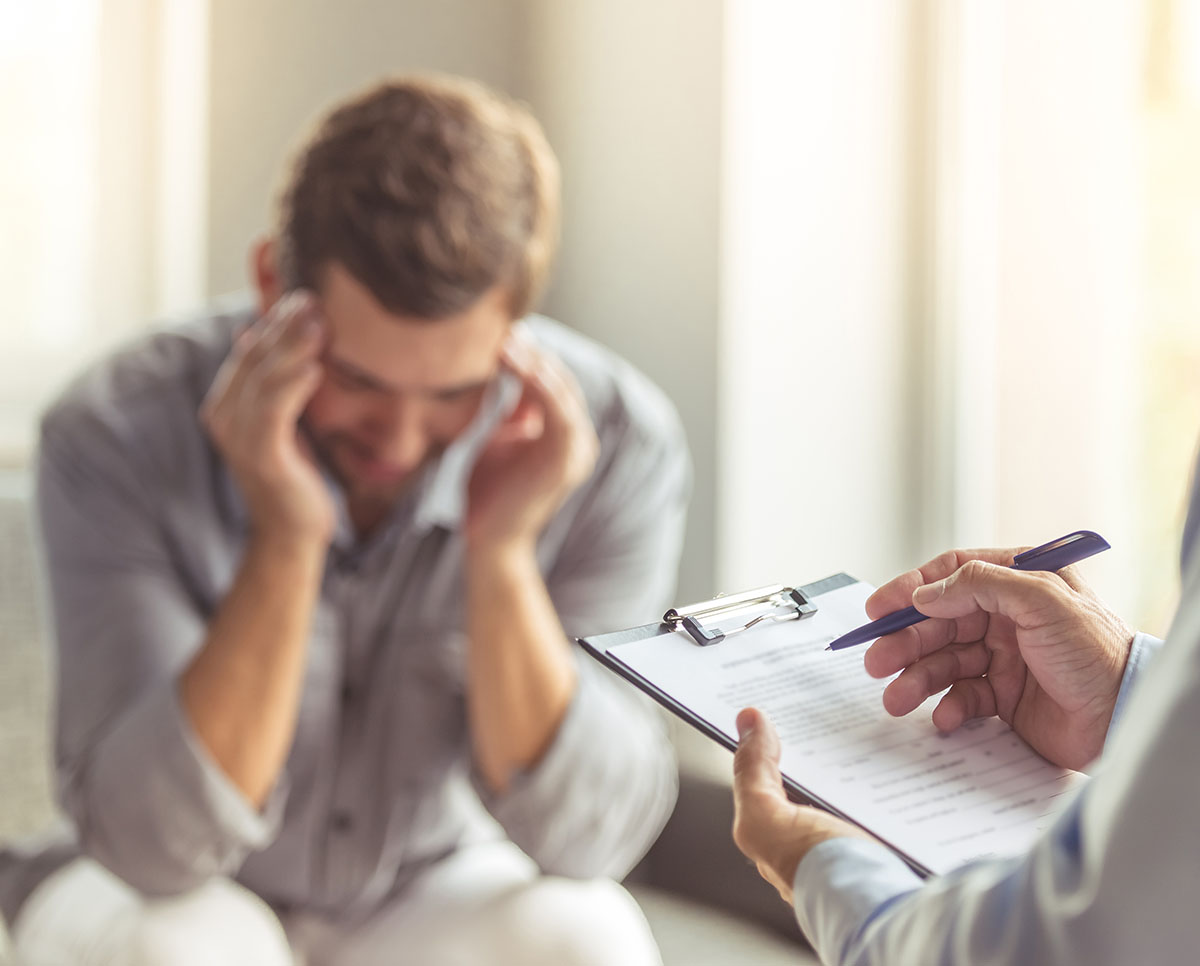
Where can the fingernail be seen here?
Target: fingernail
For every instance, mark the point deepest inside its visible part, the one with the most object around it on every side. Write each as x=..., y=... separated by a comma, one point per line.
x=744, y=728
x=929, y=593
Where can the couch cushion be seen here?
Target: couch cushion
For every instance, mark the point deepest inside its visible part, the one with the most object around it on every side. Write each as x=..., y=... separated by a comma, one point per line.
x=26, y=804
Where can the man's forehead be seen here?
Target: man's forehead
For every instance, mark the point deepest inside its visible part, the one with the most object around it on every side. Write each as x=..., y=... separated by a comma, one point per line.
x=424, y=356
x=405, y=351
x=391, y=381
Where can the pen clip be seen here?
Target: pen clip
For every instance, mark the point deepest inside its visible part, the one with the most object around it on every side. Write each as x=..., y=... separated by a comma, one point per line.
x=1062, y=552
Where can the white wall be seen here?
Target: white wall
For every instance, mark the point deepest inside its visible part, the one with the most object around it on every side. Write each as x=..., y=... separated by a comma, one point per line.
x=814, y=351
x=630, y=95
x=276, y=64
x=1035, y=402
x=1069, y=247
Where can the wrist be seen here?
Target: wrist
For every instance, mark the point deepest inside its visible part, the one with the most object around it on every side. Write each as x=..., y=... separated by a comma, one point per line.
x=815, y=826
x=513, y=555
x=287, y=547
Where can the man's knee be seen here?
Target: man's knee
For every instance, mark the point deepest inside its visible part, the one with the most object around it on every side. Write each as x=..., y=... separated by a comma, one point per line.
x=85, y=916
x=218, y=923
x=582, y=923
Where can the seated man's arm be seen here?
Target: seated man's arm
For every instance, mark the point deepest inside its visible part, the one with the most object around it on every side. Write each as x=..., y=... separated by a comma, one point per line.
x=601, y=788
x=174, y=724
x=147, y=798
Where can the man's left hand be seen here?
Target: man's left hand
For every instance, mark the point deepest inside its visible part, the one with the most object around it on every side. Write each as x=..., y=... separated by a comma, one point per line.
x=772, y=831
x=536, y=458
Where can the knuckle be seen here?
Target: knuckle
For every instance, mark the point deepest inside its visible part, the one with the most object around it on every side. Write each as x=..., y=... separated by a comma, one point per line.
x=948, y=559
x=740, y=837
x=921, y=675
x=974, y=571
x=741, y=761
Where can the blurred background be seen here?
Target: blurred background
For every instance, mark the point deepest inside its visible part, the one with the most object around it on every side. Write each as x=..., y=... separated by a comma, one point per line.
x=917, y=274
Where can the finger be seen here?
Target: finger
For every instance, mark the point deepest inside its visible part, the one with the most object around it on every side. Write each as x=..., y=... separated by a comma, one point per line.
x=977, y=586
x=281, y=408
x=894, y=652
x=550, y=383
x=563, y=411
x=295, y=351
x=517, y=353
x=293, y=328
x=262, y=337
x=1072, y=577
x=756, y=762
x=897, y=593
x=935, y=673
x=252, y=346
x=525, y=422
x=967, y=699
x=565, y=385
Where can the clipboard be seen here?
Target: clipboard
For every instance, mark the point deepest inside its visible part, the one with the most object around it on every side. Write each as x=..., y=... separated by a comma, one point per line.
x=705, y=627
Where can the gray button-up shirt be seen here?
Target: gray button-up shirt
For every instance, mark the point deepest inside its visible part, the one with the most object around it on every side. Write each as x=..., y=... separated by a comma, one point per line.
x=144, y=529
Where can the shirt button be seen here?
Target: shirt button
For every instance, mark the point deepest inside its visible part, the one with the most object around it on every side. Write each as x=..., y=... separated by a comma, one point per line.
x=347, y=693
x=342, y=821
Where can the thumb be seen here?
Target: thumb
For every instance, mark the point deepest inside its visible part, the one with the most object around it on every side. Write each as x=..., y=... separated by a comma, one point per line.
x=981, y=586
x=756, y=762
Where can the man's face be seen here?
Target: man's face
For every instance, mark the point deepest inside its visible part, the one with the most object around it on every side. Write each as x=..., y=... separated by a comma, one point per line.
x=396, y=390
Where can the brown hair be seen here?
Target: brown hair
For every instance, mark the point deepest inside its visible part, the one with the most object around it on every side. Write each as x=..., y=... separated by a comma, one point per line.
x=430, y=191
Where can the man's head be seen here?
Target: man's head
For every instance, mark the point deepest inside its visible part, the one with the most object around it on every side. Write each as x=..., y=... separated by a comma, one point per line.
x=424, y=215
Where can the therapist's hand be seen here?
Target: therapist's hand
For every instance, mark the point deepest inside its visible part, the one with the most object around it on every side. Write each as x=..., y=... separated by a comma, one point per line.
x=770, y=829
x=1038, y=649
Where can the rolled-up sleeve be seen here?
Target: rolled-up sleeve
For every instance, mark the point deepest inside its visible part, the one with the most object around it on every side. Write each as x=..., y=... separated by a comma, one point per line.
x=601, y=793
x=147, y=800
x=598, y=798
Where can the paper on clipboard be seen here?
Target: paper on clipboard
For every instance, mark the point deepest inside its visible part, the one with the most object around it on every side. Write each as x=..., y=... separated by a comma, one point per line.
x=941, y=800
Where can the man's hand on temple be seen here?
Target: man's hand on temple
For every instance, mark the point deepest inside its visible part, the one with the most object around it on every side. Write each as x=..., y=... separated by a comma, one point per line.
x=537, y=456
x=1037, y=649
x=252, y=415
x=770, y=829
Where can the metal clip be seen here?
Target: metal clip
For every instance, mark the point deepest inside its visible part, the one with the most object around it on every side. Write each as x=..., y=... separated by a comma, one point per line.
x=779, y=596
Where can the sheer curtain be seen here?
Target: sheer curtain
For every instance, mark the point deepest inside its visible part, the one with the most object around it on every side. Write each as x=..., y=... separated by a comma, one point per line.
x=930, y=274
x=102, y=185
x=1035, y=322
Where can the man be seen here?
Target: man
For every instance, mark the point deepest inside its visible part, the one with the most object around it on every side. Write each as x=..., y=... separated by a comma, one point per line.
x=314, y=567
x=1114, y=880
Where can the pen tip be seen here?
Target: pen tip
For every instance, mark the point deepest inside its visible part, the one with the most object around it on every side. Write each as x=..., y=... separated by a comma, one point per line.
x=828, y=648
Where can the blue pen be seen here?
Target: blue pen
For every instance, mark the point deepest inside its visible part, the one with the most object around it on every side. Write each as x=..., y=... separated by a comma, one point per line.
x=1054, y=555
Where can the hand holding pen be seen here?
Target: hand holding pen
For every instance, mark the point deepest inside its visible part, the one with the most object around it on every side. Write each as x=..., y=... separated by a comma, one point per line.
x=1037, y=648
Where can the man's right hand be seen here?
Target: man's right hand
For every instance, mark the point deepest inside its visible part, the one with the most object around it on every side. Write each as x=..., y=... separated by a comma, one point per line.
x=252, y=415
x=1038, y=649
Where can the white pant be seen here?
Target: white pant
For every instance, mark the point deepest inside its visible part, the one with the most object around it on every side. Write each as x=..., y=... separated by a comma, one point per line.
x=484, y=904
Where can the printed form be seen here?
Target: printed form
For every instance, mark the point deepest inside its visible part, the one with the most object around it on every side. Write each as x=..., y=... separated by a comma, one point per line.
x=939, y=799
